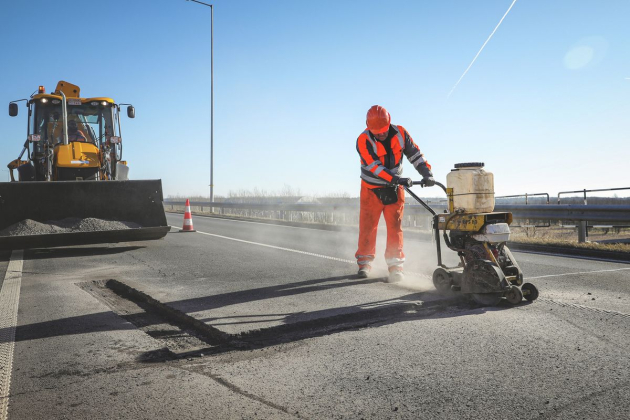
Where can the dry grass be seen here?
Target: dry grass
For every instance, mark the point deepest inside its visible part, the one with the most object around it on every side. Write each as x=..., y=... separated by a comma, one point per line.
x=574, y=244
x=568, y=237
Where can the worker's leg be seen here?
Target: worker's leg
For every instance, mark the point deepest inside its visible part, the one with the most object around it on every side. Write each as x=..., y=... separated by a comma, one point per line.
x=371, y=209
x=393, y=214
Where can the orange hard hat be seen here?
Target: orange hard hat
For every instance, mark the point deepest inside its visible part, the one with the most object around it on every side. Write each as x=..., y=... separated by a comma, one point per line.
x=377, y=119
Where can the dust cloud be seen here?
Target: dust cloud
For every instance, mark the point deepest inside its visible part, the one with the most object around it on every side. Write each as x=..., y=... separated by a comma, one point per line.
x=341, y=245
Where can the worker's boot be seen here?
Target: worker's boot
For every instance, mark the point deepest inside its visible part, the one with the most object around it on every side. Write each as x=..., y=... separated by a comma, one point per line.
x=395, y=275
x=364, y=271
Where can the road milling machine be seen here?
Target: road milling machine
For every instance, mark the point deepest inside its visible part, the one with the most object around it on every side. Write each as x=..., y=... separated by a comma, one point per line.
x=487, y=271
x=71, y=166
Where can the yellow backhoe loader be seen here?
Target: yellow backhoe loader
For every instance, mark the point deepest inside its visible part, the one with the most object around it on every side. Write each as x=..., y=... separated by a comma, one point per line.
x=74, y=168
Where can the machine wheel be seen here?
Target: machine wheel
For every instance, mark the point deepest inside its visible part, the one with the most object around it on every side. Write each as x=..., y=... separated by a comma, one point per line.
x=442, y=280
x=530, y=292
x=483, y=277
x=514, y=295
x=487, y=299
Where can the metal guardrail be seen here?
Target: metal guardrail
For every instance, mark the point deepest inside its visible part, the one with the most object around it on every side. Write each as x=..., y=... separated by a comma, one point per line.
x=526, y=195
x=583, y=225
x=577, y=212
x=546, y=224
x=588, y=191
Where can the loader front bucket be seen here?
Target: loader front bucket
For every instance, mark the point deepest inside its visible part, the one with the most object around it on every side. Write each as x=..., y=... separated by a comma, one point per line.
x=135, y=202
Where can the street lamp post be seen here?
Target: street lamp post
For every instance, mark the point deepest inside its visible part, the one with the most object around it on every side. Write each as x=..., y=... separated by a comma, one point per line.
x=211, y=96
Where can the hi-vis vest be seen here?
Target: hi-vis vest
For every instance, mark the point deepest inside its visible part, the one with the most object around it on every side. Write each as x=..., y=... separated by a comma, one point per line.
x=381, y=164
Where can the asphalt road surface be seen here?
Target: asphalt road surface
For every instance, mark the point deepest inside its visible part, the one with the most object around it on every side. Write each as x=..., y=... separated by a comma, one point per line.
x=251, y=320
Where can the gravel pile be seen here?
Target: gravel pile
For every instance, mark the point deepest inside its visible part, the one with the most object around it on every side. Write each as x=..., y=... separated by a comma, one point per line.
x=68, y=225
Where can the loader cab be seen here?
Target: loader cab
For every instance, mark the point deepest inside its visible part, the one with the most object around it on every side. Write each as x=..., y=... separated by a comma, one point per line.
x=96, y=119
x=90, y=150
x=96, y=139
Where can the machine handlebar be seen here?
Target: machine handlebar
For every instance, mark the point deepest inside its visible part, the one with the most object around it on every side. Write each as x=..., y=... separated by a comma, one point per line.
x=421, y=183
x=419, y=200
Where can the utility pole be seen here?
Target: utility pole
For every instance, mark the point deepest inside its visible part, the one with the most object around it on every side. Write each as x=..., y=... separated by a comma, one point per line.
x=211, y=96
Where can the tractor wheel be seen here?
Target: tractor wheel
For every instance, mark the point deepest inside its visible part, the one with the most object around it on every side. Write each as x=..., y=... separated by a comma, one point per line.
x=442, y=280
x=530, y=292
x=514, y=295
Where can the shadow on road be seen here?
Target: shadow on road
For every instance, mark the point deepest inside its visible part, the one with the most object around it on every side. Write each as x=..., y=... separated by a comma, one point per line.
x=107, y=321
x=411, y=307
x=84, y=324
x=270, y=292
x=296, y=326
x=5, y=256
x=47, y=253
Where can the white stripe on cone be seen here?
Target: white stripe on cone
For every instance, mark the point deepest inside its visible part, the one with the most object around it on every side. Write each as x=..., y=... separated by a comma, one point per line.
x=188, y=223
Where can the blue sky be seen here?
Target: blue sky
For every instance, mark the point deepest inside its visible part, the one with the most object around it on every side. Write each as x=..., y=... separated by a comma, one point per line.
x=545, y=105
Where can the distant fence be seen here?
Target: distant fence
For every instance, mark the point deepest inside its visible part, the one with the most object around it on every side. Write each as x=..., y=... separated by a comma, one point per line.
x=584, y=192
x=341, y=214
x=415, y=215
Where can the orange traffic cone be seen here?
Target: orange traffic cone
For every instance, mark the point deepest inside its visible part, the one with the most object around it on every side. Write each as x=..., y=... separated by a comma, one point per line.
x=188, y=224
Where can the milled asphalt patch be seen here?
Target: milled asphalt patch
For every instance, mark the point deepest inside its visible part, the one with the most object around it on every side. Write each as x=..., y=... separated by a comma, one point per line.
x=148, y=314
x=185, y=336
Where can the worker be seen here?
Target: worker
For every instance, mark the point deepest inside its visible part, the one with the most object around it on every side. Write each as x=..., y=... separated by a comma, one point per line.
x=74, y=134
x=381, y=147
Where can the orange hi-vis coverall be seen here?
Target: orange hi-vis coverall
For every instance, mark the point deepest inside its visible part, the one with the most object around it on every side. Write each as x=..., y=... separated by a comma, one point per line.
x=381, y=166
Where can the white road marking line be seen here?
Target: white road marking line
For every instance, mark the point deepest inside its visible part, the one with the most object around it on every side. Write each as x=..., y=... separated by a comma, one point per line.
x=278, y=247
x=297, y=251
x=576, y=273
x=9, y=300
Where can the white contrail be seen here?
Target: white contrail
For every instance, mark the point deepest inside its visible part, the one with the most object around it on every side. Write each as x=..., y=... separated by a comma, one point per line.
x=482, y=47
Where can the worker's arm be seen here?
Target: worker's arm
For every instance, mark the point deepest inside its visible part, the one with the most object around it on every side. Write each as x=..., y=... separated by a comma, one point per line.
x=372, y=169
x=79, y=136
x=415, y=156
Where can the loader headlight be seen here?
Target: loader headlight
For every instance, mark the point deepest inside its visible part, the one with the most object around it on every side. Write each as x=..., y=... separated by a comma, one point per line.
x=104, y=103
x=44, y=100
x=56, y=101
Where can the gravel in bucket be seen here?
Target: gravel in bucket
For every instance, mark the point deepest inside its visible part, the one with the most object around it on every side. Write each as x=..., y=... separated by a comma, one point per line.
x=68, y=225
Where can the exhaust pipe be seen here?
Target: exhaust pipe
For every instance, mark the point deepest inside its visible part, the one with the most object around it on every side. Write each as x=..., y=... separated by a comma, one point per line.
x=64, y=117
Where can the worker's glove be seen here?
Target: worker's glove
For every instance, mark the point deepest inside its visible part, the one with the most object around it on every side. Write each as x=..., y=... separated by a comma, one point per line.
x=407, y=182
x=427, y=182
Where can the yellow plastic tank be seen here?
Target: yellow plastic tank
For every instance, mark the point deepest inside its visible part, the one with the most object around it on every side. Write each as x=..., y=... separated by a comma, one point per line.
x=473, y=188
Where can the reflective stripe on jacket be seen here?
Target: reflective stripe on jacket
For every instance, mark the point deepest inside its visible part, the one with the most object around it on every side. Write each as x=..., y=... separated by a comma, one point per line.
x=381, y=162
